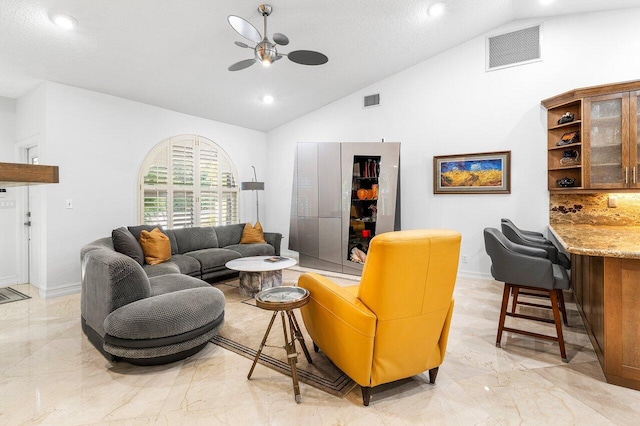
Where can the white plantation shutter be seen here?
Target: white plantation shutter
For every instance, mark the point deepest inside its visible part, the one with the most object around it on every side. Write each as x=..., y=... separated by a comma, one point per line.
x=188, y=181
x=155, y=203
x=183, y=163
x=183, y=209
x=229, y=208
x=209, y=208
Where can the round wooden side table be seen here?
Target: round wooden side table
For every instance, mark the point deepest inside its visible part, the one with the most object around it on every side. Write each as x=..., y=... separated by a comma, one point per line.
x=284, y=300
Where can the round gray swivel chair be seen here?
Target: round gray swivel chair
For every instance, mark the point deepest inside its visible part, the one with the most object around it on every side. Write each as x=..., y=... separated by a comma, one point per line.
x=526, y=267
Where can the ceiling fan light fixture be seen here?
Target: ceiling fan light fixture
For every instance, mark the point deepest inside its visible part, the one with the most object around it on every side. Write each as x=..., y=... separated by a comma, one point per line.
x=266, y=53
x=436, y=9
x=66, y=22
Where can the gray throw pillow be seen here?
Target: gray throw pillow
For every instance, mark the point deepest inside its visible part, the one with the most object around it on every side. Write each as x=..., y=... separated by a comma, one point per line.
x=137, y=230
x=124, y=242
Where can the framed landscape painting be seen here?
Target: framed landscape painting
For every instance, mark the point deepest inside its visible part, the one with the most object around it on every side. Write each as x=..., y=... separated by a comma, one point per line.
x=482, y=173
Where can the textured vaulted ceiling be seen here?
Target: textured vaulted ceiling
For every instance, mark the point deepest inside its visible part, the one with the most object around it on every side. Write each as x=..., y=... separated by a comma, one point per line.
x=175, y=53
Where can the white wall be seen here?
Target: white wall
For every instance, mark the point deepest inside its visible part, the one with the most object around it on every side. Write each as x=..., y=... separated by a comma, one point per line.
x=99, y=142
x=8, y=270
x=450, y=105
x=7, y=129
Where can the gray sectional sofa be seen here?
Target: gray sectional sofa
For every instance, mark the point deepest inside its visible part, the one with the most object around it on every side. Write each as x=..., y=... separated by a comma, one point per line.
x=203, y=251
x=155, y=314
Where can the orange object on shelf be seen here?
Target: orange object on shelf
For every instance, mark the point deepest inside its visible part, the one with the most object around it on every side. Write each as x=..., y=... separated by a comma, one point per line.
x=362, y=194
x=374, y=188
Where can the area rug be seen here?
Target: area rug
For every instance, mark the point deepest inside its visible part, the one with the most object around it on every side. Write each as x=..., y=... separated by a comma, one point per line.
x=243, y=330
x=8, y=295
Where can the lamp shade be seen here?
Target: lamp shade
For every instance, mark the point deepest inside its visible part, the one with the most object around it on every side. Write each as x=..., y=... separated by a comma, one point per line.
x=252, y=186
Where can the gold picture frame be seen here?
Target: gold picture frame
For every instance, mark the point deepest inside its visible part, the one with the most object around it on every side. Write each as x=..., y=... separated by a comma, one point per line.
x=480, y=173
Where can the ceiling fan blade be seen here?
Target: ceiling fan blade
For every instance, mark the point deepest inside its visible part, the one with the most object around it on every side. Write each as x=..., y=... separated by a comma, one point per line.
x=244, y=28
x=280, y=39
x=241, y=44
x=242, y=65
x=307, y=57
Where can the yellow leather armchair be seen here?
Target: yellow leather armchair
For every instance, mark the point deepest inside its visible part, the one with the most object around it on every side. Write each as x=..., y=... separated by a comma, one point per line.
x=395, y=323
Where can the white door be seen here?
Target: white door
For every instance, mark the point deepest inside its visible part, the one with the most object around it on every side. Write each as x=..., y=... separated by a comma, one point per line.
x=33, y=224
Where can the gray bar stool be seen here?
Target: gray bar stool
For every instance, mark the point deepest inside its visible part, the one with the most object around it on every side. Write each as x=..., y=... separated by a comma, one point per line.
x=526, y=267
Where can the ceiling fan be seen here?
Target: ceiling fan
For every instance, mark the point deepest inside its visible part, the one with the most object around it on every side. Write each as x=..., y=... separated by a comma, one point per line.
x=265, y=50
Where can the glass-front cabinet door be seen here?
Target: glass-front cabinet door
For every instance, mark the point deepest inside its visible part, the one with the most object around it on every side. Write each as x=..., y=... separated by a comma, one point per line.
x=634, y=135
x=606, y=121
x=363, y=211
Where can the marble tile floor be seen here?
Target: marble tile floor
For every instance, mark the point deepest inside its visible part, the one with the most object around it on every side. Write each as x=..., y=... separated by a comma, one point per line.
x=51, y=374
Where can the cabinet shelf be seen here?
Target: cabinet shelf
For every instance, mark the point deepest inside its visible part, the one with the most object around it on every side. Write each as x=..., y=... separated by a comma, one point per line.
x=565, y=189
x=575, y=166
x=365, y=199
x=571, y=145
x=564, y=125
x=617, y=165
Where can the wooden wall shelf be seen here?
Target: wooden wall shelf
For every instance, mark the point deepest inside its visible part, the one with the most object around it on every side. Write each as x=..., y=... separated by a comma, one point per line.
x=15, y=174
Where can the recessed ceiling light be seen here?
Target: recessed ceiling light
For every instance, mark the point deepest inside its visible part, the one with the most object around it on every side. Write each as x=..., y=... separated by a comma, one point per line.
x=436, y=9
x=64, y=21
x=267, y=99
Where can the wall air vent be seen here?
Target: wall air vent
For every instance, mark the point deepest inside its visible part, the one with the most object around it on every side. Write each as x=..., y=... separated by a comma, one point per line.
x=372, y=100
x=515, y=48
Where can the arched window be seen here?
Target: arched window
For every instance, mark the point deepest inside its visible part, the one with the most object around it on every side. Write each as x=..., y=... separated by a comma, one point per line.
x=186, y=181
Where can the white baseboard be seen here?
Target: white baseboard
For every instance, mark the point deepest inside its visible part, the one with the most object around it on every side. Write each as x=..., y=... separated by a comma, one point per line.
x=63, y=290
x=8, y=280
x=474, y=275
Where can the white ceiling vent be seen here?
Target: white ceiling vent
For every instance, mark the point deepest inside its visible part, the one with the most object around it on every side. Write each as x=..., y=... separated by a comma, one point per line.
x=372, y=100
x=514, y=48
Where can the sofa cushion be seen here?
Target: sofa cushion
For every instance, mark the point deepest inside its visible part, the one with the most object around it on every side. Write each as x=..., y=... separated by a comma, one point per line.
x=156, y=246
x=253, y=249
x=165, y=268
x=213, y=257
x=124, y=242
x=229, y=234
x=187, y=264
x=136, y=230
x=175, y=282
x=252, y=234
x=192, y=239
x=166, y=315
x=172, y=239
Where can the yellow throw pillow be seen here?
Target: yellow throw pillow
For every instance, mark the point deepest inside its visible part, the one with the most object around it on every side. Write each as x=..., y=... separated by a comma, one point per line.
x=155, y=246
x=252, y=234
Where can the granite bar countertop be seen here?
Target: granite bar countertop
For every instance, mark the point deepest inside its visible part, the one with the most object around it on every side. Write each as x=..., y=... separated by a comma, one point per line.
x=597, y=240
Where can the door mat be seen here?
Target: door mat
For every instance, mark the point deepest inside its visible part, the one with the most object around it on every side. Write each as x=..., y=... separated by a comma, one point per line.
x=8, y=295
x=242, y=333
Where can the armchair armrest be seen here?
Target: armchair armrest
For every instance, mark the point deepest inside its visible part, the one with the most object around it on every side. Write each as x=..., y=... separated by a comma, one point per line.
x=529, y=250
x=274, y=238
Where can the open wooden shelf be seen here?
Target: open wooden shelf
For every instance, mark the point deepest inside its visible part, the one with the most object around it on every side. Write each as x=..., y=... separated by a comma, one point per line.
x=15, y=174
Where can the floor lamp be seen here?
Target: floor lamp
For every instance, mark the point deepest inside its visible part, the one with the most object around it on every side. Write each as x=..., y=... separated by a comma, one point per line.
x=254, y=185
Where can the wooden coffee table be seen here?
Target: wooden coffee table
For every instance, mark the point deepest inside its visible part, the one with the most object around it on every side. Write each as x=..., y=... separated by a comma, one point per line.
x=257, y=273
x=284, y=300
